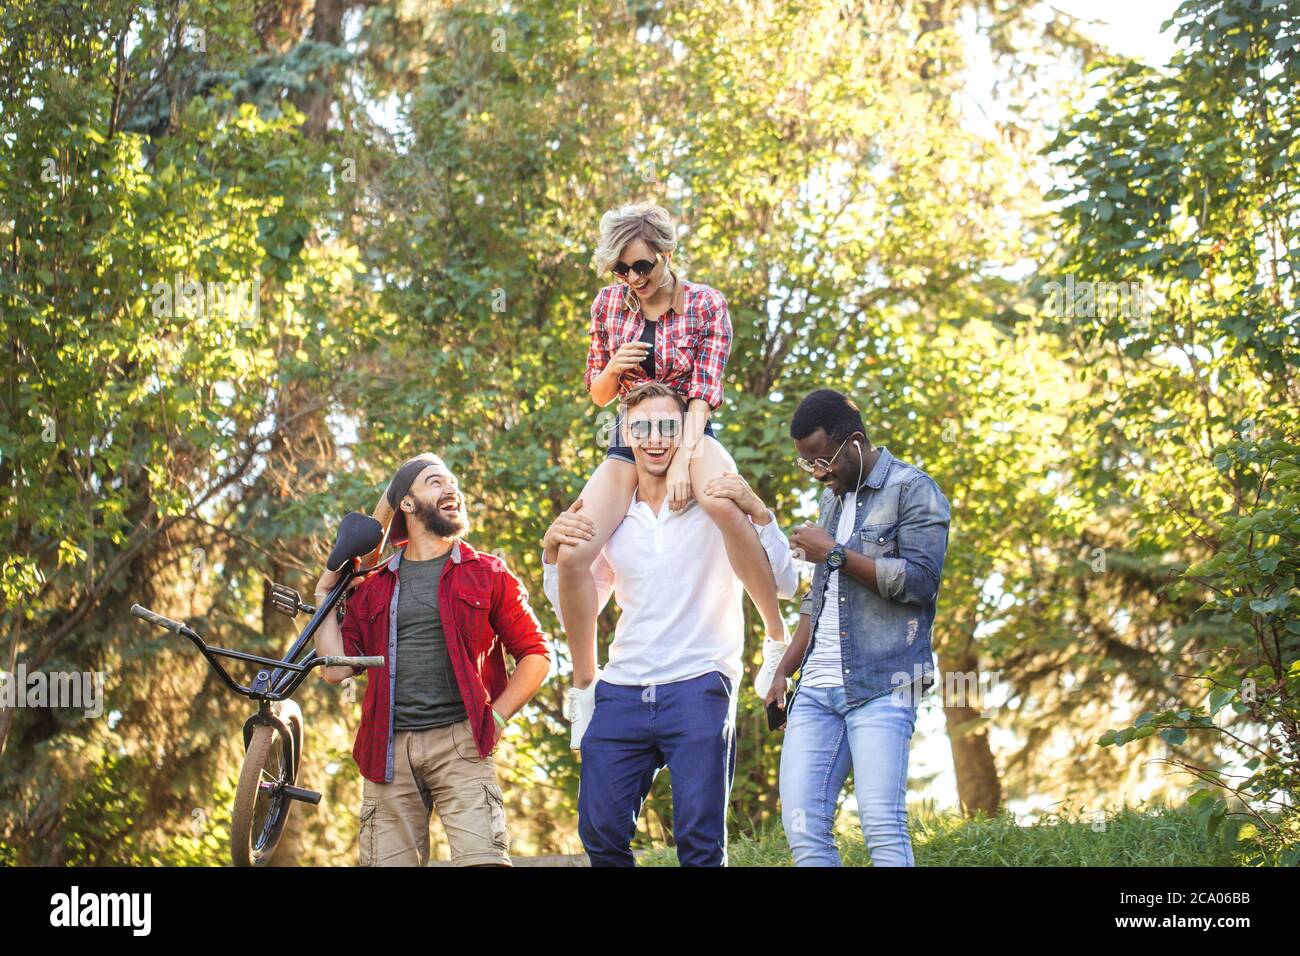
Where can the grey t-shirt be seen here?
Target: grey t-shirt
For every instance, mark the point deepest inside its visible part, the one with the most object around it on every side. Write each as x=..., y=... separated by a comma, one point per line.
x=426, y=694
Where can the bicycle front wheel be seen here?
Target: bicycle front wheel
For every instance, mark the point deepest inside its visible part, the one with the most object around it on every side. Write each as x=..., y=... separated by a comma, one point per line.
x=261, y=808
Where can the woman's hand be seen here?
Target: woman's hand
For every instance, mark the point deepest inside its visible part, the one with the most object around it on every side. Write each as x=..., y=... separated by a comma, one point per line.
x=628, y=357
x=679, y=481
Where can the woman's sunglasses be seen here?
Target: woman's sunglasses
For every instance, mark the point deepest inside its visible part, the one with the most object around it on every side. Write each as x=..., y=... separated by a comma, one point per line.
x=643, y=428
x=642, y=267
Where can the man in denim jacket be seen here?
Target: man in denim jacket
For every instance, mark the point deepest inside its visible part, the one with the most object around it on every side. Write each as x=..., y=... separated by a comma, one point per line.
x=862, y=648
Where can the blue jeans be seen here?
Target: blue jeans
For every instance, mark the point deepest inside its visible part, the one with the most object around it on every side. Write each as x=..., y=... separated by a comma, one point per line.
x=688, y=726
x=824, y=740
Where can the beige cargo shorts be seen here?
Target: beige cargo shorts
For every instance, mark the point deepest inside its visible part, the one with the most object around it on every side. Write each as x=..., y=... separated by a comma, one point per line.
x=440, y=769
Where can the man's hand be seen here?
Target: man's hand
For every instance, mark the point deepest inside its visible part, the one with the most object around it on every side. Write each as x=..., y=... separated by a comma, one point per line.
x=327, y=581
x=731, y=485
x=569, y=527
x=331, y=578
x=679, y=481
x=497, y=729
x=811, y=543
x=776, y=693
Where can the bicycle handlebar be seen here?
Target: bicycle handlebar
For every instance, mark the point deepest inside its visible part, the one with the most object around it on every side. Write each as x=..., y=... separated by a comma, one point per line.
x=338, y=661
x=154, y=617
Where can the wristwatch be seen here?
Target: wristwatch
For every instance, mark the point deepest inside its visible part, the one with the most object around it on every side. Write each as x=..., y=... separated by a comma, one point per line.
x=835, y=558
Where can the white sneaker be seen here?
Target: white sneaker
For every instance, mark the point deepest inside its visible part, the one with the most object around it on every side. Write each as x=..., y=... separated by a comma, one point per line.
x=579, y=706
x=773, y=651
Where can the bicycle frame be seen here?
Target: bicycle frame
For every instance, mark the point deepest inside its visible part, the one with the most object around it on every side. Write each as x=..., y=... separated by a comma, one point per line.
x=279, y=678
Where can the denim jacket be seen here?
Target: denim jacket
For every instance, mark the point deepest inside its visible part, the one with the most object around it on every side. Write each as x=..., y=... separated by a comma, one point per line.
x=901, y=522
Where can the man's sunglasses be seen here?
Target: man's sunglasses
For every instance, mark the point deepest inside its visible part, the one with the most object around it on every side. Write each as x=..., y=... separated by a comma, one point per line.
x=642, y=267
x=820, y=464
x=643, y=428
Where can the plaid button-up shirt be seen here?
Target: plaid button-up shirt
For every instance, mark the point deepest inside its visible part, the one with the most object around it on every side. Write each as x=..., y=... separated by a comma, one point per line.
x=692, y=340
x=484, y=611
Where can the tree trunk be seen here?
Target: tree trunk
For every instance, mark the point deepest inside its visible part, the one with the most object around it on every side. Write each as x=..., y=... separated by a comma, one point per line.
x=979, y=788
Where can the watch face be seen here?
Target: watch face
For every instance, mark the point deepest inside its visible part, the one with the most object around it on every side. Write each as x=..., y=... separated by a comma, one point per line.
x=835, y=558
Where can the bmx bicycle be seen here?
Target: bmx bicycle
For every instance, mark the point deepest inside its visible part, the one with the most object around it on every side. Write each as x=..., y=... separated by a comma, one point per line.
x=273, y=737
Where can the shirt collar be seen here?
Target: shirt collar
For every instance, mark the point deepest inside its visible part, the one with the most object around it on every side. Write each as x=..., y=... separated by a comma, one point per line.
x=678, y=303
x=876, y=479
x=664, y=510
x=460, y=551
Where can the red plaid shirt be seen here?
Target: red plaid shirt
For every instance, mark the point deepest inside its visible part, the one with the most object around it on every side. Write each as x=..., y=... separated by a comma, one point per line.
x=484, y=611
x=692, y=340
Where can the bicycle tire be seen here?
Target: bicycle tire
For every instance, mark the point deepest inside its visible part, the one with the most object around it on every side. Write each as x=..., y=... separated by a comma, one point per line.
x=258, y=820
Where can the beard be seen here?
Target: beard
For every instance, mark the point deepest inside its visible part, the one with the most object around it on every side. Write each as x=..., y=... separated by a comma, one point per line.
x=437, y=523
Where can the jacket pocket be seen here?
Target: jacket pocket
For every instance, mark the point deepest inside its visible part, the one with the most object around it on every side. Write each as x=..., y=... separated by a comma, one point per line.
x=475, y=608
x=880, y=540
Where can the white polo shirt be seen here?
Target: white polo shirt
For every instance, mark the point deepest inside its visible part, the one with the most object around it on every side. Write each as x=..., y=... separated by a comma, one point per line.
x=682, y=611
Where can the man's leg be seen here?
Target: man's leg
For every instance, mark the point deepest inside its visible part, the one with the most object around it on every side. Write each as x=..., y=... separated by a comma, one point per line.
x=880, y=734
x=695, y=724
x=619, y=764
x=395, y=816
x=815, y=762
x=465, y=793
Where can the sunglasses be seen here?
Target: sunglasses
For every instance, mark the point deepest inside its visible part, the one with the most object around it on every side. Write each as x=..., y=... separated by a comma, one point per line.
x=642, y=267
x=643, y=428
x=820, y=464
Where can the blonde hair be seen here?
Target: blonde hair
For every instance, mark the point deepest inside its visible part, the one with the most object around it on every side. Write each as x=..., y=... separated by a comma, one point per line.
x=642, y=220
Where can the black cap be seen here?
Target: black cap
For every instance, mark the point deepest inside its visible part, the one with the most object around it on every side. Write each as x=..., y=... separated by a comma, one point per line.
x=400, y=486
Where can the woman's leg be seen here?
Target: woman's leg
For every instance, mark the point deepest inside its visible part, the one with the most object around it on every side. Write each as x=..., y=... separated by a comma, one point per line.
x=745, y=551
x=605, y=501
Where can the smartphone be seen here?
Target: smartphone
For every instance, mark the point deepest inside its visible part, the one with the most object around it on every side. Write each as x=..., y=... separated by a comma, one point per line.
x=776, y=714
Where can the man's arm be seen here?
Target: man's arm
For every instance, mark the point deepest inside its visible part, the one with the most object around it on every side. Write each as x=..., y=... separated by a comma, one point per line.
x=913, y=576
x=330, y=641
x=790, y=661
x=513, y=619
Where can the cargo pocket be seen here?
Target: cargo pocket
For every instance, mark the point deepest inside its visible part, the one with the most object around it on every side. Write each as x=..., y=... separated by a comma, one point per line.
x=496, y=810
x=366, y=833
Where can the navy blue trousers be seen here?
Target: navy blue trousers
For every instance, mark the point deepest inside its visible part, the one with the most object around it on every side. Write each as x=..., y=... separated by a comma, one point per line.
x=687, y=726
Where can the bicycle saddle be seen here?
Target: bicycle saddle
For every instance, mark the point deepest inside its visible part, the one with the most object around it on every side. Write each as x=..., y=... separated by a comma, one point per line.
x=359, y=534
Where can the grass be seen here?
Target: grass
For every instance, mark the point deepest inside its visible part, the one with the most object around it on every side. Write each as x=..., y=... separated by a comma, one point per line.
x=1157, y=836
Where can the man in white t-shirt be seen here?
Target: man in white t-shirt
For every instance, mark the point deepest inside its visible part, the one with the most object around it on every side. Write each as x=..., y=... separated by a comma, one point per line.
x=666, y=695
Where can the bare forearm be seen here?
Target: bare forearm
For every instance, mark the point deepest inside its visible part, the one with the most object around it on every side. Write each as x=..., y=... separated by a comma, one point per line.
x=528, y=676
x=604, y=387
x=798, y=645
x=697, y=416
x=329, y=642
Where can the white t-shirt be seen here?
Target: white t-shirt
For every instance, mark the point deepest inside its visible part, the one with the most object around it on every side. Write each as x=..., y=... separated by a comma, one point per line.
x=824, y=667
x=681, y=603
